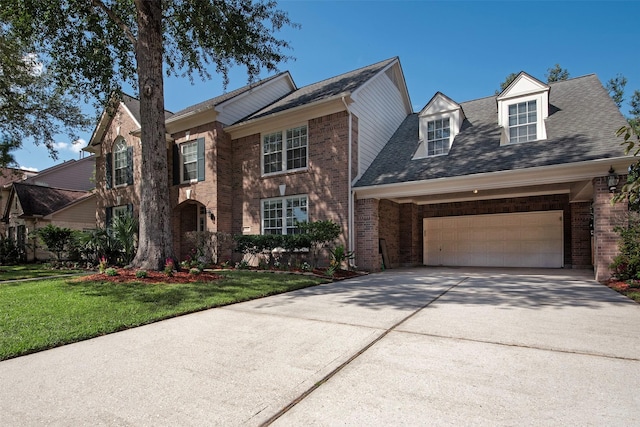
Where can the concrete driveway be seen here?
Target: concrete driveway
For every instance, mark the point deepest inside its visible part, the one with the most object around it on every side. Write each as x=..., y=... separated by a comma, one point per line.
x=406, y=347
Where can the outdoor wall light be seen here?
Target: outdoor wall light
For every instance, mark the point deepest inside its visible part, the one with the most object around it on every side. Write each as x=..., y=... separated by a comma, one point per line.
x=612, y=180
x=211, y=215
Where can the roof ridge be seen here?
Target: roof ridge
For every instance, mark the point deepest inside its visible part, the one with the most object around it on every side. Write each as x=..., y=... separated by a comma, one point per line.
x=389, y=60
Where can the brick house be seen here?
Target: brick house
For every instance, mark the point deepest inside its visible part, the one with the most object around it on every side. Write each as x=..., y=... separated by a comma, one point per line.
x=507, y=180
x=513, y=180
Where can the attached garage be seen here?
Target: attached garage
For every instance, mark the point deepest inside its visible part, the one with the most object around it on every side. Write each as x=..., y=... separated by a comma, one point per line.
x=531, y=239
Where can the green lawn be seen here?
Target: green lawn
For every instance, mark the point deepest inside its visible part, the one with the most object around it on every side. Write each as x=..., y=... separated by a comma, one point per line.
x=42, y=314
x=29, y=271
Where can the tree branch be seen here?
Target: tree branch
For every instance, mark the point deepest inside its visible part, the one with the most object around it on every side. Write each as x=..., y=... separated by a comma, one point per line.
x=124, y=27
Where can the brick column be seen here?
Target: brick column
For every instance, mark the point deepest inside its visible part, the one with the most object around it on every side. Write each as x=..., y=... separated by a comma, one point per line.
x=581, y=256
x=605, y=217
x=410, y=235
x=367, y=235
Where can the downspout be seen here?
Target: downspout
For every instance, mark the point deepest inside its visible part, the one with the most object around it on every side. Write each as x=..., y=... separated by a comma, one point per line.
x=349, y=177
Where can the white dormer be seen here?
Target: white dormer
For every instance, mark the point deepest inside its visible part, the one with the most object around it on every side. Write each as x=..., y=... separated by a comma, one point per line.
x=522, y=109
x=440, y=122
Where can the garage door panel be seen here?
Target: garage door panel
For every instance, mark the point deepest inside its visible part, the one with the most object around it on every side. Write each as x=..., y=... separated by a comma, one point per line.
x=532, y=239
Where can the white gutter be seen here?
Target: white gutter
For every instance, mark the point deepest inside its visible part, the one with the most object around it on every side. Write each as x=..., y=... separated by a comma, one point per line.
x=350, y=195
x=504, y=179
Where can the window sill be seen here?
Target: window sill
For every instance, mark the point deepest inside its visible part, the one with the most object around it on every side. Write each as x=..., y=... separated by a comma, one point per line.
x=284, y=173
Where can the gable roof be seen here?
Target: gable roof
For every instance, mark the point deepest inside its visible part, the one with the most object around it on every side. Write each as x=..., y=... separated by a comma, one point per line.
x=213, y=102
x=9, y=175
x=581, y=126
x=38, y=200
x=323, y=90
x=71, y=174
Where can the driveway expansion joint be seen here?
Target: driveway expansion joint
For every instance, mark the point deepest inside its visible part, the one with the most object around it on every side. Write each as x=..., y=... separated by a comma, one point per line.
x=346, y=363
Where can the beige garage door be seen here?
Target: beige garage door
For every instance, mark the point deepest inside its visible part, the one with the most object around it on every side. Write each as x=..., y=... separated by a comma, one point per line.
x=531, y=239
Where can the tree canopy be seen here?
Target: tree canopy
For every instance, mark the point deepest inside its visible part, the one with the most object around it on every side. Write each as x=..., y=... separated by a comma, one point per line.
x=33, y=105
x=96, y=45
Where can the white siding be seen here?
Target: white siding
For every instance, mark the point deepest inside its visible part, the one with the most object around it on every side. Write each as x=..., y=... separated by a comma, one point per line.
x=380, y=109
x=254, y=100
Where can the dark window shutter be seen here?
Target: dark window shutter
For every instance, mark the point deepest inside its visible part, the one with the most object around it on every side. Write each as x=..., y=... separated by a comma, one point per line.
x=176, y=164
x=108, y=169
x=129, y=165
x=201, y=159
x=109, y=212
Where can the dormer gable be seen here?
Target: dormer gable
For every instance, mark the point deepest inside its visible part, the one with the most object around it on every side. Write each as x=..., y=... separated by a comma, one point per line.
x=440, y=122
x=523, y=107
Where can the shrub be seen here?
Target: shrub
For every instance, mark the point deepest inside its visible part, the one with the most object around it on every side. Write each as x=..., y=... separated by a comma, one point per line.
x=111, y=271
x=102, y=265
x=626, y=266
x=10, y=252
x=141, y=274
x=194, y=271
x=56, y=239
x=169, y=266
x=339, y=256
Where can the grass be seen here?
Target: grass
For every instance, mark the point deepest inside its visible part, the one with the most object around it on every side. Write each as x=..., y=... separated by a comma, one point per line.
x=29, y=271
x=42, y=314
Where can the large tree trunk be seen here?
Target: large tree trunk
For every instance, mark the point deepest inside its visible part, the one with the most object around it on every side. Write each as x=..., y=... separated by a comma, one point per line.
x=155, y=242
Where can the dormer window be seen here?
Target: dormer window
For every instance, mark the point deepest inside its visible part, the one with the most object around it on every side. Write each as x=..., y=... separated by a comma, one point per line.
x=522, y=109
x=440, y=122
x=523, y=118
x=438, y=137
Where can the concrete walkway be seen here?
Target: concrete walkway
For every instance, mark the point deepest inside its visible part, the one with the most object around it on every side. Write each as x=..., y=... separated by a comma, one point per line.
x=406, y=347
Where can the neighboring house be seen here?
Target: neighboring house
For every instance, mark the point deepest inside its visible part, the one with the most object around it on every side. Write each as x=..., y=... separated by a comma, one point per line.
x=31, y=207
x=60, y=195
x=514, y=180
x=508, y=180
x=7, y=177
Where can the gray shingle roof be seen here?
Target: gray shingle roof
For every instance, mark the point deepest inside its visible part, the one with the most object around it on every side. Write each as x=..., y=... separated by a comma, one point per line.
x=581, y=126
x=325, y=89
x=38, y=200
x=225, y=97
x=133, y=105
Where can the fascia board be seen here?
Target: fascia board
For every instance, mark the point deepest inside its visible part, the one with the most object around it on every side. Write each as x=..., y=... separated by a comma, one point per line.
x=492, y=180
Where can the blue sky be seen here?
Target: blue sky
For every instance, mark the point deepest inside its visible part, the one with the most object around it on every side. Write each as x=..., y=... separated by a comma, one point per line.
x=464, y=49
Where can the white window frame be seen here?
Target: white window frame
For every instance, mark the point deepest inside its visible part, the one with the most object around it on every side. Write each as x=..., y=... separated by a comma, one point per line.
x=192, y=143
x=435, y=138
x=542, y=102
x=120, y=156
x=285, y=221
x=202, y=218
x=288, y=143
x=522, y=120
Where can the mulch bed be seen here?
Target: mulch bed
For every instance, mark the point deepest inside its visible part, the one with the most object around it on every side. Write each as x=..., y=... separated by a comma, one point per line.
x=129, y=275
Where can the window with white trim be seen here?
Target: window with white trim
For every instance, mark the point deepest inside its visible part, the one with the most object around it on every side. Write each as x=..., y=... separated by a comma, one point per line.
x=281, y=215
x=523, y=121
x=120, y=162
x=120, y=211
x=438, y=137
x=189, y=151
x=287, y=155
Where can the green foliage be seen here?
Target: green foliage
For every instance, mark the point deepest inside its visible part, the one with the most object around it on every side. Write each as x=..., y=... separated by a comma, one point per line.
x=124, y=230
x=141, y=274
x=507, y=81
x=339, y=255
x=111, y=271
x=321, y=234
x=630, y=191
x=33, y=105
x=195, y=271
x=626, y=266
x=615, y=86
x=208, y=247
x=556, y=74
x=56, y=239
x=10, y=252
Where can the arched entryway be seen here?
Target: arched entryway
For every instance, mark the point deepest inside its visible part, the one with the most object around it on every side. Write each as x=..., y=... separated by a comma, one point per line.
x=188, y=216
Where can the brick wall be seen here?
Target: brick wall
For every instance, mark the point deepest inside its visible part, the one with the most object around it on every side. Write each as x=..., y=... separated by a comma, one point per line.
x=389, y=221
x=410, y=235
x=325, y=180
x=121, y=126
x=367, y=226
x=605, y=217
x=581, y=253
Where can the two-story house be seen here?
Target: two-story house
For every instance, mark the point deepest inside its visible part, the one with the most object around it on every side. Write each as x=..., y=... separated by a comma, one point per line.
x=508, y=180
x=259, y=158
